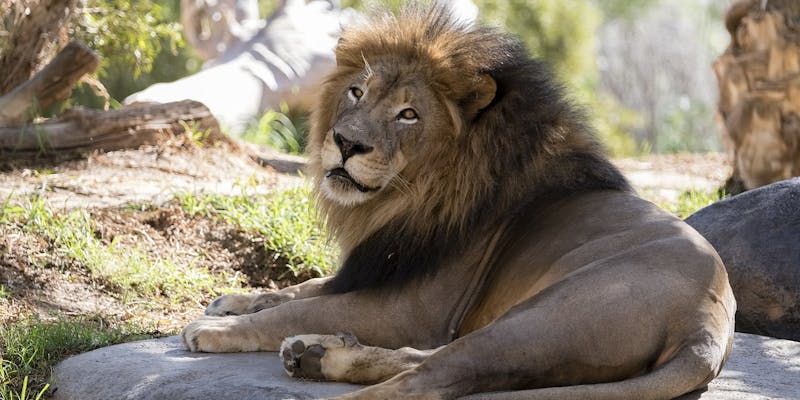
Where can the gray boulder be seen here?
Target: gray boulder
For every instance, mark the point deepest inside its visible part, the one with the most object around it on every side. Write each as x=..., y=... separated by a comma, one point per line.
x=162, y=369
x=757, y=234
x=759, y=368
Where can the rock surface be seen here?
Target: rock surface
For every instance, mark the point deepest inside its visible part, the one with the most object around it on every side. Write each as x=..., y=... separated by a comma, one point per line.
x=757, y=234
x=163, y=369
x=759, y=368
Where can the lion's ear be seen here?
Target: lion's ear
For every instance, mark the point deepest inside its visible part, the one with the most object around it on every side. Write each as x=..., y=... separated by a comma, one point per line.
x=485, y=90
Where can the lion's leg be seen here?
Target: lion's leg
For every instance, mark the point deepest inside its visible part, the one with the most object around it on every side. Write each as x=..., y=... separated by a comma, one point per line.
x=341, y=358
x=378, y=321
x=239, y=304
x=689, y=370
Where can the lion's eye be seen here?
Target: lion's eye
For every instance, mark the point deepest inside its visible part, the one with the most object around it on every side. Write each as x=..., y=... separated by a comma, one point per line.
x=355, y=93
x=407, y=116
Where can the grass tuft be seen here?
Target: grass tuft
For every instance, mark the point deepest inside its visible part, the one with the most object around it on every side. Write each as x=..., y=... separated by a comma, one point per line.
x=31, y=348
x=130, y=270
x=284, y=130
x=691, y=201
x=288, y=221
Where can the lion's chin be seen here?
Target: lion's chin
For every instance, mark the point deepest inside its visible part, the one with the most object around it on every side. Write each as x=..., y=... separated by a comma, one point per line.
x=344, y=192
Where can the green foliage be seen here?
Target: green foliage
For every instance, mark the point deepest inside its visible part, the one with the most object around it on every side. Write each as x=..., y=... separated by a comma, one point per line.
x=682, y=128
x=690, y=201
x=613, y=122
x=9, y=392
x=563, y=32
x=140, y=42
x=29, y=349
x=559, y=31
x=288, y=220
x=627, y=9
x=129, y=32
x=279, y=130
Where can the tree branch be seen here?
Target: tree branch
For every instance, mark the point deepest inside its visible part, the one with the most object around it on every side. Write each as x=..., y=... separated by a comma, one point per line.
x=50, y=85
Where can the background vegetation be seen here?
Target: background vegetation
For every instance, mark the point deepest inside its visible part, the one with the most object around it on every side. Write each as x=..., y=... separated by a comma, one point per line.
x=641, y=66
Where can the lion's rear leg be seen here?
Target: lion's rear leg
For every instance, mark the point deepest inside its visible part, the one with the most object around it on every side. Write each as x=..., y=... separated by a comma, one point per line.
x=455, y=372
x=591, y=349
x=341, y=358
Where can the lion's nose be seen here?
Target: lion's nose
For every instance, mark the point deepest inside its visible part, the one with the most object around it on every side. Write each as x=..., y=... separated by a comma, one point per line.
x=349, y=147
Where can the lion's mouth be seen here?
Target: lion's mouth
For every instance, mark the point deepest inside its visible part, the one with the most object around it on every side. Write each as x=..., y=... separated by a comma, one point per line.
x=341, y=175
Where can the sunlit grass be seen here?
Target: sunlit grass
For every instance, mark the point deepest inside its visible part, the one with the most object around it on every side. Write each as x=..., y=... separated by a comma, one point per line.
x=284, y=130
x=288, y=221
x=131, y=271
x=31, y=348
x=691, y=201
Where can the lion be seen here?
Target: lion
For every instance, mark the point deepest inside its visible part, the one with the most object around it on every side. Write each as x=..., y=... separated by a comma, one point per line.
x=489, y=248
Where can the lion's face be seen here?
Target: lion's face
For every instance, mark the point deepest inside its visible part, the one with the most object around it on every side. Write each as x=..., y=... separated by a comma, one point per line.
x=386, y=117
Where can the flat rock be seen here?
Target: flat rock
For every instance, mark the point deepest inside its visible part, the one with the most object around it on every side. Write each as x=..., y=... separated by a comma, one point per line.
x=757, y=234
x=760, y=368
x=162, y=369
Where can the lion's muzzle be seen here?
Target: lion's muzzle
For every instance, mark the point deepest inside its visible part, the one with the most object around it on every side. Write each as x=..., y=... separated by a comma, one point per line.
x=349, y=147
x=342, y=174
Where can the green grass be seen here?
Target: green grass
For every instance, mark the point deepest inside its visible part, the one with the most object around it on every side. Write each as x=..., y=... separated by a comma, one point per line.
x=130, y=270
x=284, y=130
x=690, y=201
x=288, y=221
x=31, y=348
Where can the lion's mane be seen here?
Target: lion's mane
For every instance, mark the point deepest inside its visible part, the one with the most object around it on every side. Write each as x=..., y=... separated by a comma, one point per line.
x=529, y=147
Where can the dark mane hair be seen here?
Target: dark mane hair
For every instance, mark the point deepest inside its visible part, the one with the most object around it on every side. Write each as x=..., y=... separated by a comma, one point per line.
x=534, y=146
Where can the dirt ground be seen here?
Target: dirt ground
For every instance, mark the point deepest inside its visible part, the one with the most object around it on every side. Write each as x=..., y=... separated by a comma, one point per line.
x=128, y=196
x=46, y=283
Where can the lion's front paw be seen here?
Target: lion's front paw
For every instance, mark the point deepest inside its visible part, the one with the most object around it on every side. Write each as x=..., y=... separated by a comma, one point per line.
x=240, y=304
x=217, y=335
x=302, y=355
x=229, y=304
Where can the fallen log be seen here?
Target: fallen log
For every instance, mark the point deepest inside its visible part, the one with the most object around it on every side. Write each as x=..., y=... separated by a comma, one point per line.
x=49, y=86
x=78, y=131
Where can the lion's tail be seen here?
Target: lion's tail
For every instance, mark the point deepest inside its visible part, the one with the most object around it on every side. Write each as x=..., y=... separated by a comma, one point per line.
x=690, y=369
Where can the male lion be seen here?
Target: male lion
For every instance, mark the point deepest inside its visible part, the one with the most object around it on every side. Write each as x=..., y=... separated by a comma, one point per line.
x=480, y=223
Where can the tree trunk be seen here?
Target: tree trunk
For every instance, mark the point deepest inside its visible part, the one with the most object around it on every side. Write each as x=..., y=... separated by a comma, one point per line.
x=49, y=86
x=759, y=86
x=36, y=27
x=79, y=131
x=213, y=26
